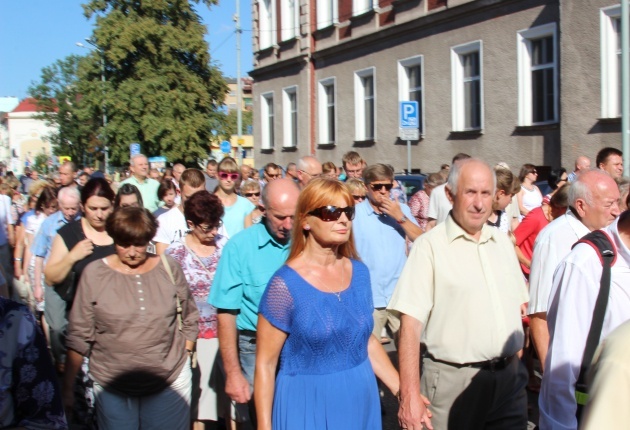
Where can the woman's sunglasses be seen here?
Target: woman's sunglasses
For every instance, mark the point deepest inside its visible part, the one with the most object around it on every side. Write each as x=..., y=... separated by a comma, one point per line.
x=332, y=213
x=225, y=175
x=252, y=194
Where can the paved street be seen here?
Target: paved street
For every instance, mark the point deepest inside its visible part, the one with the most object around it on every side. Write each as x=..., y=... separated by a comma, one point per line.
x=390, y=404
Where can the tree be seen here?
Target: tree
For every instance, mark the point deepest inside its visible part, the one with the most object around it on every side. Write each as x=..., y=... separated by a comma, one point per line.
x=57, y=98
x=161, y=89
x=231, y=122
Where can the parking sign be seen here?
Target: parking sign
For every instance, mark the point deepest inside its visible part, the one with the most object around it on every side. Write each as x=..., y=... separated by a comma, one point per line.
x=409, y=117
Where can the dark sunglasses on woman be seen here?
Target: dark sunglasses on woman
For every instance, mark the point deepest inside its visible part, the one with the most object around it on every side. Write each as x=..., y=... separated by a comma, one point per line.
x=332, y=213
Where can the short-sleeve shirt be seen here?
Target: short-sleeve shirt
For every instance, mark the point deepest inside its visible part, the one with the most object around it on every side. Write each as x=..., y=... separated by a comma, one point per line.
x=439, y=204
x=247, y=263
x=149, y=191
x=466, y=293
x=234, y=216
x=47, y=232
x=381, y=243
x=527, y=232
x=553, y=243
x=172, y=227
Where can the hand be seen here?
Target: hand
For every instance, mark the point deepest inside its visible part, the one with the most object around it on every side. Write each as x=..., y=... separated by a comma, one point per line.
x=237, y=388
x=391, y=208
x=38, y=292
x=82, y=250
x=524, y=310
x=413, y=413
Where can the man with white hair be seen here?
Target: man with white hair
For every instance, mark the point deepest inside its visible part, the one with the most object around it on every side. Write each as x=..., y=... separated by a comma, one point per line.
x=139, y=166
x=593, y=204
x=55, y=311
x=308, y=168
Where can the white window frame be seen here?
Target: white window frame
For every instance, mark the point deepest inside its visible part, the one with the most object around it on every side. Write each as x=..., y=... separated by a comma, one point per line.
x=524, y=39
x=611, y=96
x=287, y=117
x=327, y=13
x=322, y=110
x=267, y=133
x=458, y=85
x=359, y=103
x=359, y=7
x=266, y=23
x=404, y=86
x=289, y=15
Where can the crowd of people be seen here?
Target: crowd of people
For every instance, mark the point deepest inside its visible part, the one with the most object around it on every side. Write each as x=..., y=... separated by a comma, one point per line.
x=234, y=298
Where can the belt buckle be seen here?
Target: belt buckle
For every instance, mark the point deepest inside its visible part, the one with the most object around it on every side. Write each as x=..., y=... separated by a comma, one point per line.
x=495, y=363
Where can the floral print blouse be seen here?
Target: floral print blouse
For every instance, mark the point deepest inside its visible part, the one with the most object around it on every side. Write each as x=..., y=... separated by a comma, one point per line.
x=200, y=281
x=29, y=393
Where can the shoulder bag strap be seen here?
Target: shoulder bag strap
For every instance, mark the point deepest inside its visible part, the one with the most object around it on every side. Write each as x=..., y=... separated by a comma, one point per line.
x=167, y=267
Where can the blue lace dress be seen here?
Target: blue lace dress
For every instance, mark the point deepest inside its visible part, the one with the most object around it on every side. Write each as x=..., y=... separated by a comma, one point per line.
x=325, y=380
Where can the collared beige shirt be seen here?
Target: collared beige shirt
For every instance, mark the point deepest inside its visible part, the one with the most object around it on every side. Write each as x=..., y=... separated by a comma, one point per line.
x=466, y=293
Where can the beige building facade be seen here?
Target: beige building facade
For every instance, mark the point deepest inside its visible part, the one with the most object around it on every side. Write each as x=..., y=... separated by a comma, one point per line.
x=504, y=80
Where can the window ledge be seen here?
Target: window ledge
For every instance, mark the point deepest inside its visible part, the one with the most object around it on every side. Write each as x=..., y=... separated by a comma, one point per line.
x=327, y=145
x=267, y=150
x=537, y=127
x=612, y=120
x=362, y=17
x=287, y=42
x=466, y=133
x=364, y=143
x=289, y=149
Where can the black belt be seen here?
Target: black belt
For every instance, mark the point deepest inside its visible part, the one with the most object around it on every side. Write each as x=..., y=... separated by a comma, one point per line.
x=249, y=333
x=491, y=365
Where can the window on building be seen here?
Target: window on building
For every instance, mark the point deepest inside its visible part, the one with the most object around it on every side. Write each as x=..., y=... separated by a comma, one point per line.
x=290, y=117
x=410, y=82
x=538, y=75
x=326, y=110
x=466, y=71
x=610, y=28
x=267, y=121
x=365, y=114
x=327, y=13
x=362, y=6
x=266, y=23
x=289, y=10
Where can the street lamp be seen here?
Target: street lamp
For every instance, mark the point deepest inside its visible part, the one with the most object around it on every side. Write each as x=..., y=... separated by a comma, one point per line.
x=100, y=51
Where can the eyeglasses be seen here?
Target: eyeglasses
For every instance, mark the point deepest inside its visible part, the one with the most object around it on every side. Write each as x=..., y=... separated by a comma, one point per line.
x=359, y=198
x=225, y=175
x=332, y=213
x=379, y=187
x=252, y=194
x=208, y=229
x=310, y=174
x=534, y=172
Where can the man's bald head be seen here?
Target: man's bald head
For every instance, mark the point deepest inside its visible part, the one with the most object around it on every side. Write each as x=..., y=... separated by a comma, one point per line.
x=280, y=199
x=582, y=163
x=309, y=168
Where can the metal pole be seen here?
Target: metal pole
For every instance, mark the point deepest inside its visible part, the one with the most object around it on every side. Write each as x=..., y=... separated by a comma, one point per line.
x=104, y=135
x=239, y=114
x=625, y=87
x=409, y=157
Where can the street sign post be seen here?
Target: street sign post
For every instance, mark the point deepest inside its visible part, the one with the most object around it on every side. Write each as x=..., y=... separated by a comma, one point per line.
x=409, y=126
x=226, y=147
x=134, y=148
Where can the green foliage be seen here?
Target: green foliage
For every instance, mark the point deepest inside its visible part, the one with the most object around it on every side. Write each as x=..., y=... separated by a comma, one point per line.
x=161, y=89
x=58, y=100
x=40, y=163
x=231, y=122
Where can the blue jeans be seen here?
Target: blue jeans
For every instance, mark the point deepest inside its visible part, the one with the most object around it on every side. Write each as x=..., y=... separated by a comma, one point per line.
x=247, y=357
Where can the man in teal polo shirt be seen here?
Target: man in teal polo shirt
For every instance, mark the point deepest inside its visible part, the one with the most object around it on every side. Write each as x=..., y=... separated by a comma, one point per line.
x=247, y=263
x=139, y=166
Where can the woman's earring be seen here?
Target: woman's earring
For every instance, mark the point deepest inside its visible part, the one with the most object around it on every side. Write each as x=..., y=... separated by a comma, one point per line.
x=307, y=227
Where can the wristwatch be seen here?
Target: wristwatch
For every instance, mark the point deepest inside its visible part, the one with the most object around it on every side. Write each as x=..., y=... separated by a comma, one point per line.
x=402, y=220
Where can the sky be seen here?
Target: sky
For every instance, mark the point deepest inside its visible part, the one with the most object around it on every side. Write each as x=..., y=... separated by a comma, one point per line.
x=36, y=33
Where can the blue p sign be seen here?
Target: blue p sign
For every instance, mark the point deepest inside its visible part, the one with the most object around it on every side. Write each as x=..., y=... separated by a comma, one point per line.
x=409, y=115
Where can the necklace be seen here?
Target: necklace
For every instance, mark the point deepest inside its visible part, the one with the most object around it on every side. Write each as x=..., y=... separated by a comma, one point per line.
x=336, y=293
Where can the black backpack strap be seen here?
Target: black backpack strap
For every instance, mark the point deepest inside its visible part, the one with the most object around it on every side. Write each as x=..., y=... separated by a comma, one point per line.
x=607, y=254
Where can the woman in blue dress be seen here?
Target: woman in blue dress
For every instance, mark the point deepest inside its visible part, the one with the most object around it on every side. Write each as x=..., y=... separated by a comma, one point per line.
x=315, y=319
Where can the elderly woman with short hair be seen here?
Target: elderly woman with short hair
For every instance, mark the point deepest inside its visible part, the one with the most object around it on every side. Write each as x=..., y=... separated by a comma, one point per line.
x=125, y=317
